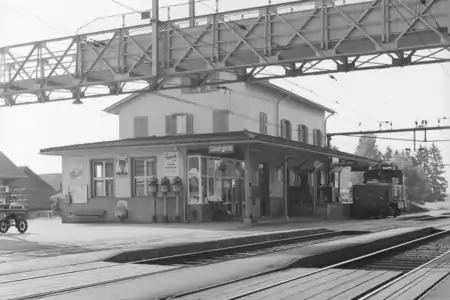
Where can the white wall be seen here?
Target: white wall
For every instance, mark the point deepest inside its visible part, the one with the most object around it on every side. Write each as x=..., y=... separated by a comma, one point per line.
x=245, y=103
x=122, y=185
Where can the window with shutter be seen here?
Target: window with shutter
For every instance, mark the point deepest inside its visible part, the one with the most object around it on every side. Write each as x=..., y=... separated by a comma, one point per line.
x=189, y=123
x=282, y=128
x=314, y=137
x=319, y=138
x=179, y=124
x=286, y=129
x=221, y=121
x=305, y=134
x=263, y=122
x=300, y=132
x=140, y=127
x=170, y=125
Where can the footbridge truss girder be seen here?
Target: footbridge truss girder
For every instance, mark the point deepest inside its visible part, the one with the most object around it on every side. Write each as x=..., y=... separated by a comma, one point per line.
x=301, y=38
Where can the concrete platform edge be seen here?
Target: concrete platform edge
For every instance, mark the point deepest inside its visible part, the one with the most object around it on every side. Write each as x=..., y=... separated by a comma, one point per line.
x=182, y=248
x=335, y=256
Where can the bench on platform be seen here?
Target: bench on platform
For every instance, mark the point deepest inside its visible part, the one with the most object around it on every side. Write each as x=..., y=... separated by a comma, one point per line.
x=96, y=214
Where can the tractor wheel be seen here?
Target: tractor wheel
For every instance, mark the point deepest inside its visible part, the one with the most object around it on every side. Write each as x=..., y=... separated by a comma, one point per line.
x=4, y=226
x=22, y=225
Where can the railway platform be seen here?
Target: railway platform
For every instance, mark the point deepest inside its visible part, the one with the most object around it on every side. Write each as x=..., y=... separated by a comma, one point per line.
x=103, y=280
x=50, y=244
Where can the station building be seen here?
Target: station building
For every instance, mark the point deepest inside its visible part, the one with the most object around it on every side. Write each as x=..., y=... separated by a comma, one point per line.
x=245, y=151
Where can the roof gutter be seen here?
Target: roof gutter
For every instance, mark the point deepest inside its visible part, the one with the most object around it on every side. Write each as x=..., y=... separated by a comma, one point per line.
x=314, y=152
x=51, y=151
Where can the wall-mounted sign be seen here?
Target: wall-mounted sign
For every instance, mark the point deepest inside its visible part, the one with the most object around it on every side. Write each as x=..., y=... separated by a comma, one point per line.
x=171, y=164
x=224, y=149
x=346, y=163
x=122, y=166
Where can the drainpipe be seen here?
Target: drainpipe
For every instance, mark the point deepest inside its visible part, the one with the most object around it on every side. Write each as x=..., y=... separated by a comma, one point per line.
x=278, y=127
x=328, y=140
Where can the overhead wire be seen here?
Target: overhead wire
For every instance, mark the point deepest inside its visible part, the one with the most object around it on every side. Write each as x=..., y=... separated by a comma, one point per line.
x=395, y=139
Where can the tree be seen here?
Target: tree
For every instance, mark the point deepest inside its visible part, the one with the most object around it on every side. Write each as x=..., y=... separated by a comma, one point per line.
x=367, y=147
x=416, y=183
x=438, y=183
x=388, y=154
x=422, y=158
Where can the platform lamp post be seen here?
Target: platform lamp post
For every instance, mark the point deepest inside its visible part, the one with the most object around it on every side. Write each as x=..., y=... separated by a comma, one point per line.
x=177, y=185
x=164, y=188
x=153, y=188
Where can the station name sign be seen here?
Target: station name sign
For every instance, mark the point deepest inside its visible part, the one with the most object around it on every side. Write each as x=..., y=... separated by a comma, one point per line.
x=342, y=162
x=223, y=149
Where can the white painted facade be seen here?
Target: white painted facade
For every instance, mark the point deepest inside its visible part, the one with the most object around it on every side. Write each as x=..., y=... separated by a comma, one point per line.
x=244, y=102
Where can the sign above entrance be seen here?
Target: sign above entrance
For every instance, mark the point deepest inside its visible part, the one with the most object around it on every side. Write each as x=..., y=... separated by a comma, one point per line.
x=224, y=149
x=346, y=163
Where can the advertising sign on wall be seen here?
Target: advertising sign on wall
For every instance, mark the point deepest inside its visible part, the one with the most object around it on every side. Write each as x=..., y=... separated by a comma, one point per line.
x=171, y=164
x=77, y=187
x=122, y=166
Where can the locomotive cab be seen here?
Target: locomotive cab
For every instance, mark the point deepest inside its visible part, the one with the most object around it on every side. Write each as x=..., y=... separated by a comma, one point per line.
x=380, y=194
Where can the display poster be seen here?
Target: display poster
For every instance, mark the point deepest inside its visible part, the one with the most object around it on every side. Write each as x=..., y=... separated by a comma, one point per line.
x=76, y=170
x=122, y=166
x=171, y=164
x=76, y=187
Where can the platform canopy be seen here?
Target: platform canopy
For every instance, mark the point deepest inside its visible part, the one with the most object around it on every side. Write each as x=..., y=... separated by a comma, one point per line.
x=232, y=143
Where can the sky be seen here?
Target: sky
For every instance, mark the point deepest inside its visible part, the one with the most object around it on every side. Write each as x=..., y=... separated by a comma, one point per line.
x=399, y=95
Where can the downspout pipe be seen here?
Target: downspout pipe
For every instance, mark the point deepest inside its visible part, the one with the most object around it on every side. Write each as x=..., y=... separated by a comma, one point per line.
x=328, y=139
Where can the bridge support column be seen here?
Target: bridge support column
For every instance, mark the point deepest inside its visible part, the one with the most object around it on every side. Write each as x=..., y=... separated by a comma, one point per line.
x=155, y=38
x=191, y=13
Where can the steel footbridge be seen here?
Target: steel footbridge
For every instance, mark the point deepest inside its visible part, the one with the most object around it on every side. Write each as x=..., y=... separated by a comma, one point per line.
x=300, y=38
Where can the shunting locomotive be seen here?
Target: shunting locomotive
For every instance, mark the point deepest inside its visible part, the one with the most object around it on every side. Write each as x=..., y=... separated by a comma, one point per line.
x=381, y=194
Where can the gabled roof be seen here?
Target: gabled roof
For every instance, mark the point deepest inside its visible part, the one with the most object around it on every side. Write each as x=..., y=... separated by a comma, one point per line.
x=116, y=107
x=8, y=170
x=207, y=139
x=294, y=96
x=54, y=180
x=32, y=175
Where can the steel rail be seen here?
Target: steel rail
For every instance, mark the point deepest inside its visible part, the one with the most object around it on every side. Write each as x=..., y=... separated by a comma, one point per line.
x=424, y=295
x=397, y=279
x=152, y=273
x=245, y=294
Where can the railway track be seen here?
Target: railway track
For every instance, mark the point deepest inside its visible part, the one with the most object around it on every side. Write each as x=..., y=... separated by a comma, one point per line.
x=189, y=260
x=192, y=260
x=404, y=259
x=244, y=251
